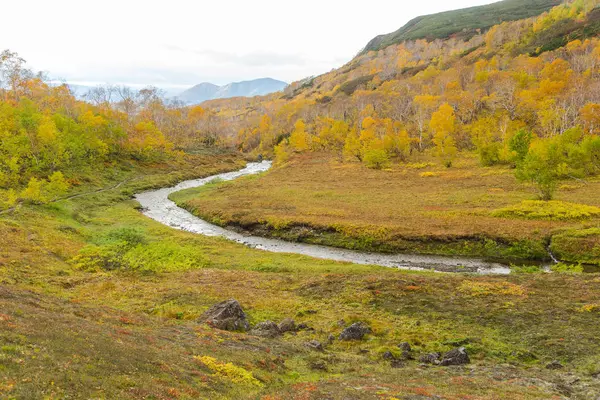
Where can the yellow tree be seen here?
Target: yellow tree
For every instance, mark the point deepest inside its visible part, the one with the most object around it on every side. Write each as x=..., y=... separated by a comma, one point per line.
x=442, y=124
x=299, y=140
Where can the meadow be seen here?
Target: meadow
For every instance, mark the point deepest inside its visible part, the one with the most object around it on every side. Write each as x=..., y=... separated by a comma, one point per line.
x=417, y=207
x=98, y=301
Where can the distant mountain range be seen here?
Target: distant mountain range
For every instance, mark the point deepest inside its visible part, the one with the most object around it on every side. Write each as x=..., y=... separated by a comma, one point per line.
x=208, y=91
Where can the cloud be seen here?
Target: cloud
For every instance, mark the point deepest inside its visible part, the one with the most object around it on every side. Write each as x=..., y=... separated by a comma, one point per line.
x=252, y=59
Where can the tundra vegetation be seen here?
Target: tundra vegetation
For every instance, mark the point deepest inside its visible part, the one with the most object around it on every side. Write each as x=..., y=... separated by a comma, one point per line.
x=483, y=145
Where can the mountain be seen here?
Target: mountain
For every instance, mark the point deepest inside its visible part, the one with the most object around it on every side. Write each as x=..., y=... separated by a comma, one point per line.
x=465, y=22
x=208, y=91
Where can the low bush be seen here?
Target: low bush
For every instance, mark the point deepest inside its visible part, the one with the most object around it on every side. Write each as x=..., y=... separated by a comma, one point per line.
x=548, y=210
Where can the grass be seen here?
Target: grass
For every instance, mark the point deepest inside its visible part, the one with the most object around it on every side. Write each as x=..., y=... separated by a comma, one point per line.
x=120, y=331
x=419, y=208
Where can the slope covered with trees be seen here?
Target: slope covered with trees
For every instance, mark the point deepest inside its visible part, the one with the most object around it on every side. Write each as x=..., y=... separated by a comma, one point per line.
x=524, y=93
x=463, y=23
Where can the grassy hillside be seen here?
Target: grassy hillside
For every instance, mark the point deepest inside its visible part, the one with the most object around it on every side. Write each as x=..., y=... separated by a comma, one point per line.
x=98, y=301
x=464, y=23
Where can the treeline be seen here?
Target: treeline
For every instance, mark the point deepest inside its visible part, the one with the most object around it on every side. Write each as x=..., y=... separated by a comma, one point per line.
x=48, y=138
x=487, y=95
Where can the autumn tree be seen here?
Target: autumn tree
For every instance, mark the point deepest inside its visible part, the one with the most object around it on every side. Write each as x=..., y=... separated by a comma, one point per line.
x=443, y=124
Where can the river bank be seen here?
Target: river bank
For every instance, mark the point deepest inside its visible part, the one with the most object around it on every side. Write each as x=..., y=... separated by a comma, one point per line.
x=320, y=202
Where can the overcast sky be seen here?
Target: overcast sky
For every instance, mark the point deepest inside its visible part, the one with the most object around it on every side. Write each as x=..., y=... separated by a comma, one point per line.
x=185, y=42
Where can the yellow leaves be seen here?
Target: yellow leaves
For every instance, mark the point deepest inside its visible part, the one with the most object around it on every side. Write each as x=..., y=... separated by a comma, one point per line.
x=229, y=371
x=47, y=130
x=590, y=116
x=265, y=124
x=443, y=120
x=33, y=192
x=196, y=113
x=427, y=102
x=299, y=140
x=558, y=70
x=589, y=308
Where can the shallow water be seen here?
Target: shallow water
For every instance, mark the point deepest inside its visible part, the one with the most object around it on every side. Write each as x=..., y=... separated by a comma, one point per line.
x=156, y=205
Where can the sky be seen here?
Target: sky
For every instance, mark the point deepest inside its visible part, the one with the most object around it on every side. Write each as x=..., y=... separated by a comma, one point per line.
x=179, y=43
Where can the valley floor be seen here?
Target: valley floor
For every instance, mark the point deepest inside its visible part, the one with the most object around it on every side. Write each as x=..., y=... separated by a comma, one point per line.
x=97, y=301
x=420, y=207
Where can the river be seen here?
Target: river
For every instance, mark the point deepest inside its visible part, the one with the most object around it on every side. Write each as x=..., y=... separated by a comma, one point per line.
x=157, y=205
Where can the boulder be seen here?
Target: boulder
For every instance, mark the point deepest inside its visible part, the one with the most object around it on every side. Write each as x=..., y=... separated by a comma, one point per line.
x=405, y=346
x=554, y=365
x=227, y=315
x=356, y=331
x=397, y=364
x=314, y=345
x=431, y=358
x=287, y=325
x=388, y=355
x=457, y=356
x=268, y=329
x=304, y=327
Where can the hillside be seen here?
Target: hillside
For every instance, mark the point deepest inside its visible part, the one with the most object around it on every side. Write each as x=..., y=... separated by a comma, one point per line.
x=208, y=91
x=463, y=23
x=485, y=146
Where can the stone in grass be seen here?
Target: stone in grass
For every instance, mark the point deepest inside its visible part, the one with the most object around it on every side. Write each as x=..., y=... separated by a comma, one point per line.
x=554, y=365
x=431, y=358
x=287, y=325
x=227, y=315
x=267, y=329
x=356, y=331
x=457, y=356
x=314, y=345
x=405, y=346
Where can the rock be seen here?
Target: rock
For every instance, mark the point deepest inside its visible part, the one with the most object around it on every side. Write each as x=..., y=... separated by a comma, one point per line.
x=356, y=331
x=396, y=364
x=304, y=327
x=331, y=339
x=266, y=329
x=318, y=365
x=457, y=356
x=431, y=358
x=227, y=315
x=314, y=345
x=405, y=346
x=554, y=365
x=287, y=325
x=388, y=356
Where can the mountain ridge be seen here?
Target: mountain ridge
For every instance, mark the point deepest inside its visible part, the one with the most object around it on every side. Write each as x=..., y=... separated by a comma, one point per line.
x=465, y=22
x=209, y=91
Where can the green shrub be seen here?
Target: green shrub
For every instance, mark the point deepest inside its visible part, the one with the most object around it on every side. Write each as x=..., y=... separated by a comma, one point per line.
x=548, y=210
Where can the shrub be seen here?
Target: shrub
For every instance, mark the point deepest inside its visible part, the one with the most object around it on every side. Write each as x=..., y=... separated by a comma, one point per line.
x=564, y=268
x=548, y=210
x=376, y=158
x=230, y=372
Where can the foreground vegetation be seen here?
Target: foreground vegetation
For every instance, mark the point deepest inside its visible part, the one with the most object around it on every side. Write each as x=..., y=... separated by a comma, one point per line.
x=129, y=329
x=419, y=207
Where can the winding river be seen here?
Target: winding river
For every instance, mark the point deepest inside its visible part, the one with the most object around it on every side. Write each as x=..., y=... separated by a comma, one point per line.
x=156, y=205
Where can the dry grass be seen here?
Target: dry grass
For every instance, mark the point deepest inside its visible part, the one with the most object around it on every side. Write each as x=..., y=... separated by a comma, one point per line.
x=432, y=210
